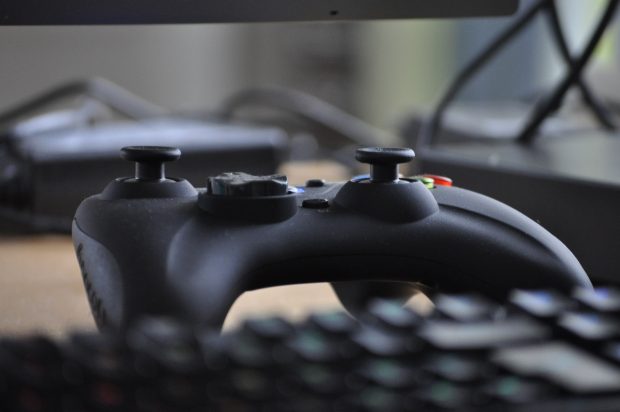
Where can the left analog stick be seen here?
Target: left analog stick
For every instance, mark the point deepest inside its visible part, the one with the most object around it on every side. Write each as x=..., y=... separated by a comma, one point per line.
x=150, y=160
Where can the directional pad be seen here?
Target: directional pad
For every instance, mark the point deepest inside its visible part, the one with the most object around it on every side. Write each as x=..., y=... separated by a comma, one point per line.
x=243, y=184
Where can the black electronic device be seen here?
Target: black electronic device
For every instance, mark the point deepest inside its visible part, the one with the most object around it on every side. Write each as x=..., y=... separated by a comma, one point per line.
x=47, y=174
x=152, y=244
x=539, y=351
x=53, y=156
x=566, y=180
x=555, y=166
x=65, y=12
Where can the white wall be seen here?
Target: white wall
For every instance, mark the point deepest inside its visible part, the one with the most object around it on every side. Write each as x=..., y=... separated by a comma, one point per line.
x=182, y=67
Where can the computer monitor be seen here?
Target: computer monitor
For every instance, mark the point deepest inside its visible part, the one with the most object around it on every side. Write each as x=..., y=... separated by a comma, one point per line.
x=78, y=12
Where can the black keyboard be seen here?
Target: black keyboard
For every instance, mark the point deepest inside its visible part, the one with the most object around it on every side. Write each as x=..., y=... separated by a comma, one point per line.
x=541, y=351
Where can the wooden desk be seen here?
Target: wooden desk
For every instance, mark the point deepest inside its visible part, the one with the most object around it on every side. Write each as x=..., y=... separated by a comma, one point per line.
x=41, y=290
x=40, y=286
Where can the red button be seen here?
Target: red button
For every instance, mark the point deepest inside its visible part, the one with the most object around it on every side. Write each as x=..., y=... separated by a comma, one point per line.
x=440, y=180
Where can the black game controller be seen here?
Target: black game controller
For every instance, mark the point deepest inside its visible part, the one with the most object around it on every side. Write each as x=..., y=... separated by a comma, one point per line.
x=153, y=245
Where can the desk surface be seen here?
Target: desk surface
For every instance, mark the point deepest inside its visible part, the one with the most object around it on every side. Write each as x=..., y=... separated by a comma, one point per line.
x=41, y=290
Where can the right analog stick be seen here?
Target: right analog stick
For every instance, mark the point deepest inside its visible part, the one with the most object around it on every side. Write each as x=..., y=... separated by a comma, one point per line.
x=384, y=162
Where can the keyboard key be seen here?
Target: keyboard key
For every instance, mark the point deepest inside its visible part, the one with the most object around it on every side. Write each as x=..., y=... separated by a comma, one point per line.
x=387, y=373
x=486, y=360
x=456, y=368
x=335, y=323
x=394, y=316
x=248, y=351
x=483, y=335
x=379, y=343
x=464, y=308
x=107, y=396
x=516, y=390
x=599, y=299
x=612, y=351
x=380, y=399
x=590, y=326
x=541, y=303
x=31, y=400
x=104, y=355
x=314, y=346
x=251, y=384
x=320, y=379
x=273, y=328
x=182, y=391
x=161, y=342
x=445, y=395
x=565, y=365
x=36, y=361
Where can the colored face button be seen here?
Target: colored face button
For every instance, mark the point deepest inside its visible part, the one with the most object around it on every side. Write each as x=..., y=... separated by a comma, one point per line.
x=427, y=181
x=439, y=180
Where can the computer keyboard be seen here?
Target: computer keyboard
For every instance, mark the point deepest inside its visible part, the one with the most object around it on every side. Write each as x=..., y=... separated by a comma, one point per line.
x=540, y=351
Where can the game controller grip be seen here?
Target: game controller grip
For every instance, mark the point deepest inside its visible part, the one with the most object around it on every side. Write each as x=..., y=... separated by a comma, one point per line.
x=492, y=251
x=558, y=258
x=159, y=247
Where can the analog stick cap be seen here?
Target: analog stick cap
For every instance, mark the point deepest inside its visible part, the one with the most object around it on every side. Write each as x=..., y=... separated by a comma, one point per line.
x=384, y=162
x=150, y=160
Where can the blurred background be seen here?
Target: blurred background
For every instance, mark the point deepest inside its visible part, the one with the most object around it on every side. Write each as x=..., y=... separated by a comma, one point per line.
x=378, y=71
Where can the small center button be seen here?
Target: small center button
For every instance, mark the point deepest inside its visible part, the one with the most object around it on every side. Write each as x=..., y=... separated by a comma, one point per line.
x=315, y=204
x=315, y=183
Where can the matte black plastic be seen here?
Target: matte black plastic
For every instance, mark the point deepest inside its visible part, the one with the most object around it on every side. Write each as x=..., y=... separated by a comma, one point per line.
x=149, y=154
x=171, y=257
x=243, y=184
x=45, y=161
x=150, y=180
x=130, y=188
x=384, y=155
x=384, y=162
x=397, y=202
x=568, y=181
x=260, y=209
x=20, y=12
x=150, y=160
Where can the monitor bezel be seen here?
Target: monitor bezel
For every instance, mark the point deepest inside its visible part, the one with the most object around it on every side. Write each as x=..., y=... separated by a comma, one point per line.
x=104, y=12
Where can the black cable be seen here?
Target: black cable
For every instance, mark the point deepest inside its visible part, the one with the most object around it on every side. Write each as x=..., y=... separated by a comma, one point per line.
x=112, y=95
x=589, y=98
x=310, y=108
x=104, y=91
x=551, y=104
x=431, y=127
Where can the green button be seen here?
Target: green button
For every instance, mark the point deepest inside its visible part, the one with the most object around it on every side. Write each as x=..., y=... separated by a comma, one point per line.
x=428, y=182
